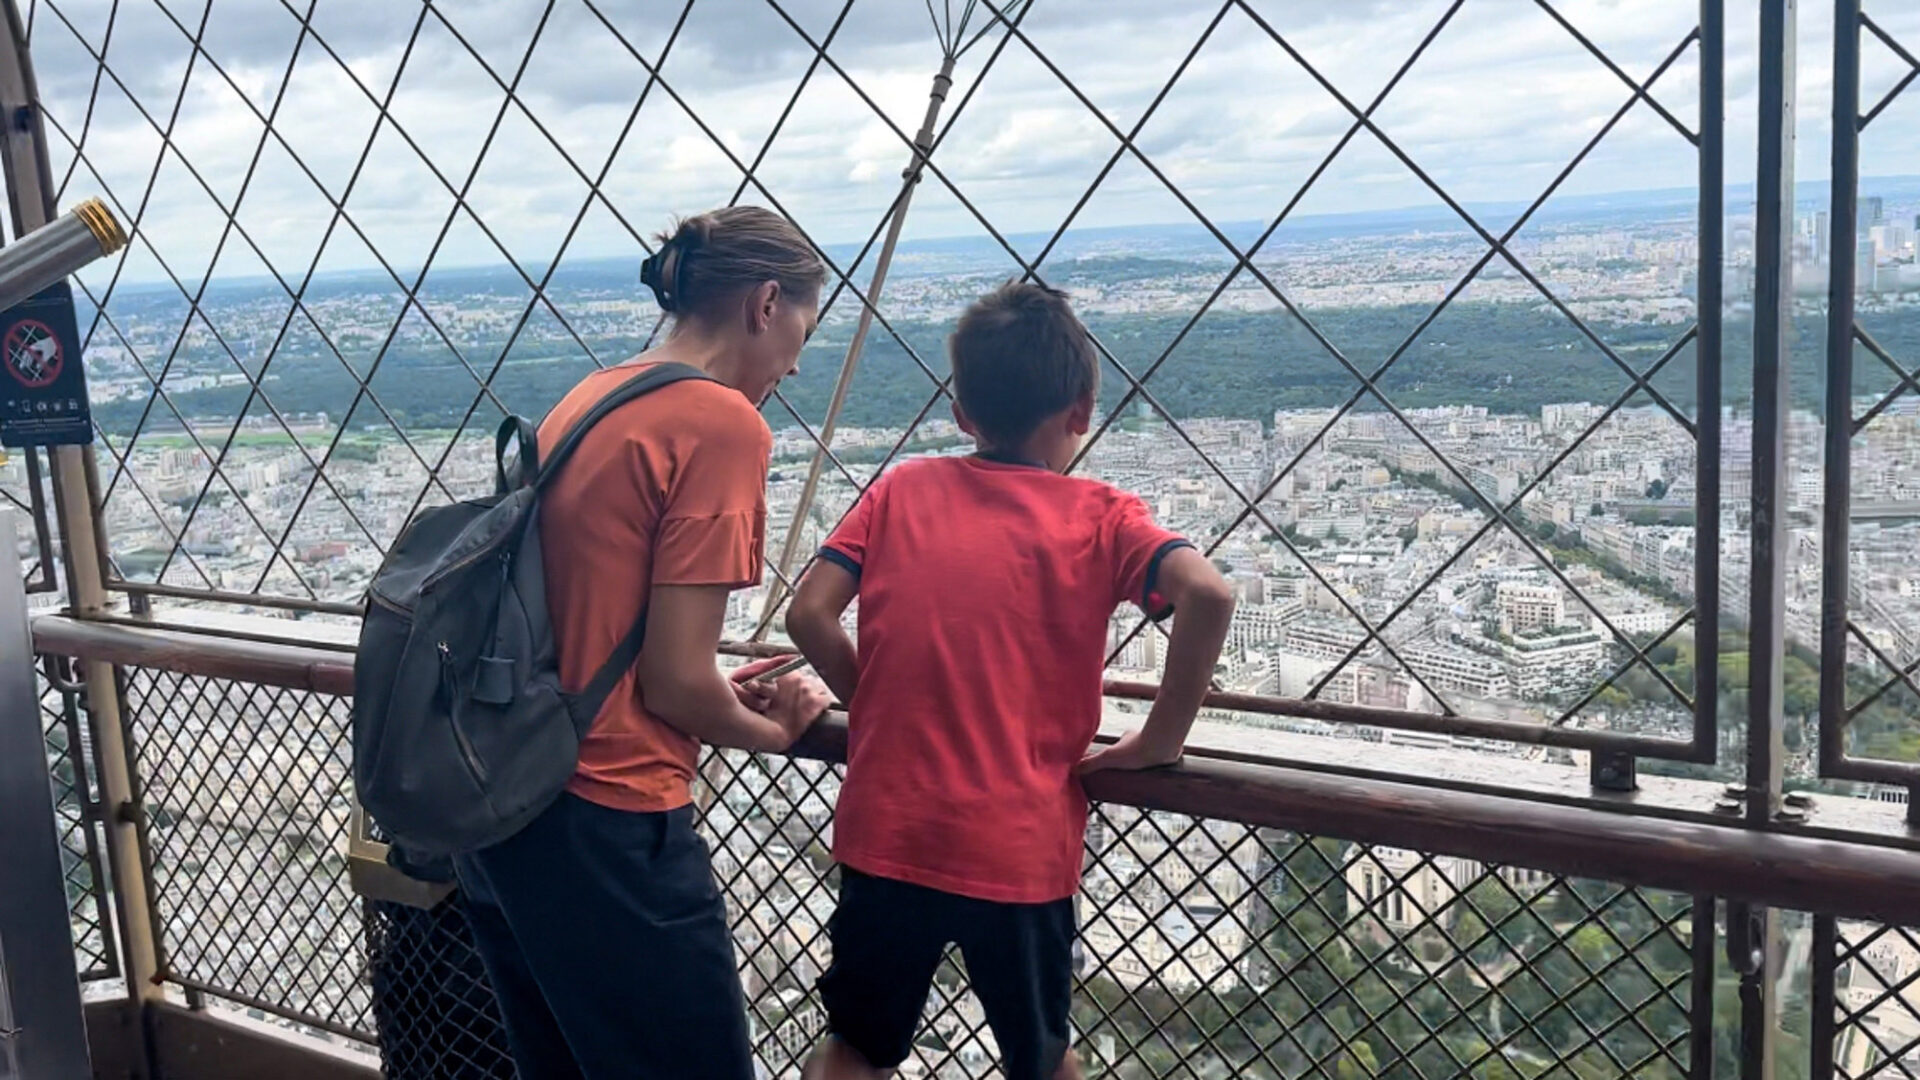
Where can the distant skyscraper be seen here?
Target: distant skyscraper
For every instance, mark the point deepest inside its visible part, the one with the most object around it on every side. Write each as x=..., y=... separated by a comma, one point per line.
x=1871, y=211
x=1820, y=236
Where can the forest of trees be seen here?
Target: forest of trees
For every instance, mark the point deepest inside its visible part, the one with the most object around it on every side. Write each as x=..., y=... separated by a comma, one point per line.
x=1508, y=357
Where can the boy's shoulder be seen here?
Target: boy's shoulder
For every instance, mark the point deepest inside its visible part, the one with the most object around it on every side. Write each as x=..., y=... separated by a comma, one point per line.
x=1070, y=491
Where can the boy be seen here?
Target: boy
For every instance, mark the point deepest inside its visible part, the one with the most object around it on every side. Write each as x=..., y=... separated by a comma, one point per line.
x=986, y=587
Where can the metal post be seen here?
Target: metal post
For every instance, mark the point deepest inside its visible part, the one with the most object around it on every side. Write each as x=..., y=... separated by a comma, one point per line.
x=1838, y=414
x=29, y=182
x=922, y=146
x=1700, y=991
x=1708, y=308
x=1760, y=956
x=1824, y=997
x=42, y=1033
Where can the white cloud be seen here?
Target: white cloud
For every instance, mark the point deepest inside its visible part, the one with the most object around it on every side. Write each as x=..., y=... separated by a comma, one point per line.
x=1503, y=98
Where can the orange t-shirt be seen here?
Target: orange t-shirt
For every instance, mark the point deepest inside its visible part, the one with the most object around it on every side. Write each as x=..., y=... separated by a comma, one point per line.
x=669, y=489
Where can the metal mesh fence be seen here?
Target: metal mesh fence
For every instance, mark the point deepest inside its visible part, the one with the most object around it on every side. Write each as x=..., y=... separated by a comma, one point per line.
x=77, y=810
x=1870, y=971
x=433, y=1013
x=268, y=435
x=1208, y=948
x=1870, y=650
x=23, y=486
x=247, y=808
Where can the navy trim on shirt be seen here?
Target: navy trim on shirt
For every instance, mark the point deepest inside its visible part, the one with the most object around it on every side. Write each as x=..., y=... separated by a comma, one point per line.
x=999, y=458
x=1153, y=578
x=842, y=560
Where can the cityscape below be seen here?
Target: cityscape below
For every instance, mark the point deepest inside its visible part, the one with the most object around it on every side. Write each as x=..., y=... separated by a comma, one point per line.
x=1369, y=569
x=1368, y=566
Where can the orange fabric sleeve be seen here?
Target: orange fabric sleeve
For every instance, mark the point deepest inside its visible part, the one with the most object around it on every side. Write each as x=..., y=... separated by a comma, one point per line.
x=714, y=525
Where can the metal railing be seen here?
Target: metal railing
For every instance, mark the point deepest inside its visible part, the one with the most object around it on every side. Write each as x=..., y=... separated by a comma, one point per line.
x=1238, y=919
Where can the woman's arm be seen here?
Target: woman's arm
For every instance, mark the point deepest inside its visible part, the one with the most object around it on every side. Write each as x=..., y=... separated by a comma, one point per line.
x=682, y=685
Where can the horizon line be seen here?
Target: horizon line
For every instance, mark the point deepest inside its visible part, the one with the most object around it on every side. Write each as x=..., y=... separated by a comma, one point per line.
x=1436, y=209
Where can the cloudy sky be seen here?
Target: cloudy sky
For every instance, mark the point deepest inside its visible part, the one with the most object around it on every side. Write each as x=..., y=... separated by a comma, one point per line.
x=1500, y=101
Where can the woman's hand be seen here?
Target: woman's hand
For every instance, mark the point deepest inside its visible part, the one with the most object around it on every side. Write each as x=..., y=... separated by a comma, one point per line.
x=796, y=703
x=747, y=686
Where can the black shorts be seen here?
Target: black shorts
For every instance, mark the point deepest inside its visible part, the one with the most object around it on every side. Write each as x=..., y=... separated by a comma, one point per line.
x=888, y=937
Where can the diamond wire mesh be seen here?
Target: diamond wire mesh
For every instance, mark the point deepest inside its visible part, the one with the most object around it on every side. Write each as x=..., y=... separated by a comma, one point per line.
x=1208, y=948
x=271, y=500
x=1880, y=648
x=247, y=808
x=432, y=1008
x=77, y=811
x=1212, y=949
x=23, y=487
x=1877, y=1009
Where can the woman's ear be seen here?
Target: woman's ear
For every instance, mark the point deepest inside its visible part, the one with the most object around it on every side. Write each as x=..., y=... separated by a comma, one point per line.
x=762, y=302
x=960, y=418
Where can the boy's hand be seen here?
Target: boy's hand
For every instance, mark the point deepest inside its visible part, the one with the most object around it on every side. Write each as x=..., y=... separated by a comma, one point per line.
x=1131, y=752
x=797, y=701
x=752, y=693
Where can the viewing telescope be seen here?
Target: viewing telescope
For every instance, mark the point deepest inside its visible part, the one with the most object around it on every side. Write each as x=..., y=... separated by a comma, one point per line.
x=57, y=249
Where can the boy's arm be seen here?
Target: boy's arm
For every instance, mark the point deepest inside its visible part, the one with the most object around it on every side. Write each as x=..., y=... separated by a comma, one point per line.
x=813, y=622
x=1204, y=608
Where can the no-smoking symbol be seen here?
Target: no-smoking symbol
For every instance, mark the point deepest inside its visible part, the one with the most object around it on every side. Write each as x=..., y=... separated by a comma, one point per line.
x=33, y=354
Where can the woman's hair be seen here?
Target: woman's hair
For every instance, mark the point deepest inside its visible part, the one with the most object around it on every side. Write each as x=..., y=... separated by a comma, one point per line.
x=712, y=257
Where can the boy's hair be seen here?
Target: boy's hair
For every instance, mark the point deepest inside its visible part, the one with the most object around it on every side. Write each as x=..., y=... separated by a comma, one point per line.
x=1019, y=356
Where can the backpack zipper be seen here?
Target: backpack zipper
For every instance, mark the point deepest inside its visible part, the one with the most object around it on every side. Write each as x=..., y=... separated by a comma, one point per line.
x=474, y=556
x=449, y=682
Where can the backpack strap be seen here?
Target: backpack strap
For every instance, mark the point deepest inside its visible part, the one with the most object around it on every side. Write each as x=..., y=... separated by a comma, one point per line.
x=654, y=377
x=518, y=434
x=585, y=705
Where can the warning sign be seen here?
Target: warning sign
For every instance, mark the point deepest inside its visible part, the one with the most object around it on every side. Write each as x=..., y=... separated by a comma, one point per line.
x=43, y=387
x=33, y=354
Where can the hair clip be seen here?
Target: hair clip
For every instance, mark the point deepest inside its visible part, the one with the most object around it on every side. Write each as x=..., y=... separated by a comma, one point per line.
x=650, y=277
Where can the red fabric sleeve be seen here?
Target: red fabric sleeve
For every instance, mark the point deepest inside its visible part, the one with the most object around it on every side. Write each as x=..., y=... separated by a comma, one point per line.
x=1136, y=544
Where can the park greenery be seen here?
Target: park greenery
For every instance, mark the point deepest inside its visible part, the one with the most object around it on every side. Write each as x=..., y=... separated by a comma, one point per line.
x=1510, y=358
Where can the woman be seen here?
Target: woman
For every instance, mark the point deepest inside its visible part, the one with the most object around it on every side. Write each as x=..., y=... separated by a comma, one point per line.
x=601, y=927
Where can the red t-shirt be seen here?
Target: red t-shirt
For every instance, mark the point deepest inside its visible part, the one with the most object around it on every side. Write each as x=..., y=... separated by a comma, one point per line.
x=986, y=590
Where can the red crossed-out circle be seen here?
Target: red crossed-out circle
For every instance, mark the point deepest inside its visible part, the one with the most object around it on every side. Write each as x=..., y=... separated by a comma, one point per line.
x=32, y=354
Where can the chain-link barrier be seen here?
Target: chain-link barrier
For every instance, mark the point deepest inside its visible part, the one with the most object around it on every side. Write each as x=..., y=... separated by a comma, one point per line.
x=24, y=486
x=1869, y=632
x=1867, y=1012
x=1208, y=948
x=267, y=440
x=77, y=809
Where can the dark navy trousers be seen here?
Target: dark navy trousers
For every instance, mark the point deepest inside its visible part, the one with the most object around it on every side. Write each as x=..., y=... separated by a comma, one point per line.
x=606, y=941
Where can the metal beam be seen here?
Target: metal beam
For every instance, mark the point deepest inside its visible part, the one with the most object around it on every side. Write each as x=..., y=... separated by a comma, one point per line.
x=922, y=146
x=23, y=159
x=1753, y=935
x=42, y=1036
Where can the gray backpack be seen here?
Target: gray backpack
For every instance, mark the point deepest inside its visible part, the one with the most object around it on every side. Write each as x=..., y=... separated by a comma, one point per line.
x=461, y=732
